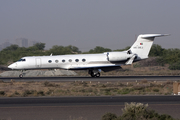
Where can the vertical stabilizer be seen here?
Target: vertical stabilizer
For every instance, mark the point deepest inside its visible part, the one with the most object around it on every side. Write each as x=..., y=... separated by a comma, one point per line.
x=143, y=44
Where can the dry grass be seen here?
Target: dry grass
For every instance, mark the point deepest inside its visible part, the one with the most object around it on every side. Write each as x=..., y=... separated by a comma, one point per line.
x=80, y=88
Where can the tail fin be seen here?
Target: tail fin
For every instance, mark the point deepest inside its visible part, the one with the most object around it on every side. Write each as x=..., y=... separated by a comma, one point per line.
x=143, y=44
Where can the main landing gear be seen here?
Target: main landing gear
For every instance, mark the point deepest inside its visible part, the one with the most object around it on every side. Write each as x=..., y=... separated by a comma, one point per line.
x=94, y=73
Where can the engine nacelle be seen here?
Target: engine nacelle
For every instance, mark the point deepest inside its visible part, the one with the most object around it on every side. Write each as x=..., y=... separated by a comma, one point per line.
x=118, y=56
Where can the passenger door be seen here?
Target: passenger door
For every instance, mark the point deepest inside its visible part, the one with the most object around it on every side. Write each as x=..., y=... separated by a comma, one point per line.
x=38, y=62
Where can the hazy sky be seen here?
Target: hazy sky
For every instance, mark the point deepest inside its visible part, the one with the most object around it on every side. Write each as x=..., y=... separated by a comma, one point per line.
x=113, y=24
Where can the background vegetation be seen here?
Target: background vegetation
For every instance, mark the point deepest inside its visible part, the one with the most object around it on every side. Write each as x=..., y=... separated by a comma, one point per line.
x=14, y=52
x=137, y=111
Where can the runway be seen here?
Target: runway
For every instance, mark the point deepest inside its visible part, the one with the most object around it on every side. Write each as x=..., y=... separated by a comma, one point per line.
x=103, y=78
x=90, y=108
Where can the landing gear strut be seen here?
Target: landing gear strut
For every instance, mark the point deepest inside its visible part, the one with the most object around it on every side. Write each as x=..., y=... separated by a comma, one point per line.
x=94, y=73
x=21, y=75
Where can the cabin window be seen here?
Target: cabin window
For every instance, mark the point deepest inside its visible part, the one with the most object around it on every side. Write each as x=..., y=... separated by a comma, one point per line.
x=56, y=61
x=63, y=60
x=83, y=60
x=50, y=61
x=70, y=60
x=77, y=60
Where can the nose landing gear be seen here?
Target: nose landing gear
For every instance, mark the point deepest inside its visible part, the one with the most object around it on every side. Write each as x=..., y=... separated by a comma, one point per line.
x=21, y=75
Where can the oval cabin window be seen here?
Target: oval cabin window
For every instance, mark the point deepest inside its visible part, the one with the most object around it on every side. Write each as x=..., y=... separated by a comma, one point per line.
x=50, y=61
x=83, y=60
x=77, y=60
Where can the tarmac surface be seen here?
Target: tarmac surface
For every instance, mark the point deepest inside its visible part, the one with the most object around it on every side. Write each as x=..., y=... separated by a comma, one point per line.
x=102, y=78
x=89, y=108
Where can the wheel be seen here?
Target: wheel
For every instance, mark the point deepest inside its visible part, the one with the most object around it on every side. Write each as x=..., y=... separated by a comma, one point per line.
x=98, y=75
x=21, y=76
x=92, y=74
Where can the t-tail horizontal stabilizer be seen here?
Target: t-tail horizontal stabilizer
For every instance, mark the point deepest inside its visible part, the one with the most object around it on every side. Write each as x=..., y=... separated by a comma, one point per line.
x=153, y=35
x=129, y=62
x=142, y=45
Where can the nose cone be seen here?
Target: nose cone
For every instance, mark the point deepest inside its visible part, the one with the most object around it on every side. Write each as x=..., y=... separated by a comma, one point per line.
x=12, y=66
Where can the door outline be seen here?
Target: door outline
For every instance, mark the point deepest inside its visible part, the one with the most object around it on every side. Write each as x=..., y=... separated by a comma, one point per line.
x=38, y=62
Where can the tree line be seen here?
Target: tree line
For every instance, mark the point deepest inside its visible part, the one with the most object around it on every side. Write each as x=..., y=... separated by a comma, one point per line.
x=14, y=52
x=166, y=56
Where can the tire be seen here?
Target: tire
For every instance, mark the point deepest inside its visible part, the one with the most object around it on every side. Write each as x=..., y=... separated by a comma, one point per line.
x=98, y=75
x=21, y=76
x=92, y=74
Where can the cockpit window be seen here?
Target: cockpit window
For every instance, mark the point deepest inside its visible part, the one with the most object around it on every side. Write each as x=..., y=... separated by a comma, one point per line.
x=21, y=60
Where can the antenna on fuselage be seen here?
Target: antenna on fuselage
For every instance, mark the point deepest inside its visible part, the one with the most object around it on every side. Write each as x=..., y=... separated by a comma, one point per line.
x=51, y=54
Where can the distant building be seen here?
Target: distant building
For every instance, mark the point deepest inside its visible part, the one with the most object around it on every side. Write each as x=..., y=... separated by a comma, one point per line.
x=22, y=42
x=4, y=45
x=31, y=43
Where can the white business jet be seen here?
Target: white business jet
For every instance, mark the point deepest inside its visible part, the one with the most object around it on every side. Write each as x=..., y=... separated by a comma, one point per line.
x=94, y=63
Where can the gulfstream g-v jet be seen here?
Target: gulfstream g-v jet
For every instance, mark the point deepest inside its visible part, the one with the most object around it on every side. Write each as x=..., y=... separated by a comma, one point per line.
x=94, y=63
